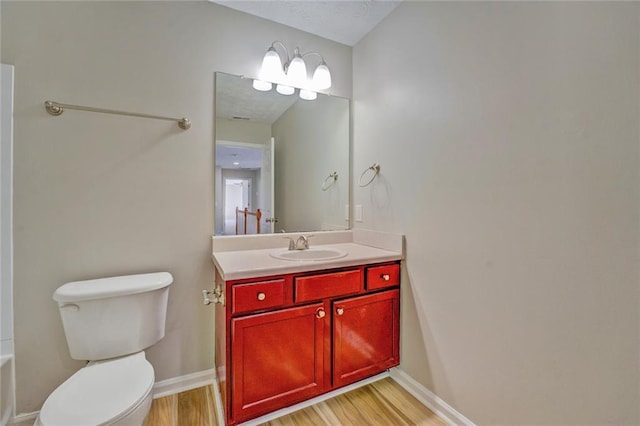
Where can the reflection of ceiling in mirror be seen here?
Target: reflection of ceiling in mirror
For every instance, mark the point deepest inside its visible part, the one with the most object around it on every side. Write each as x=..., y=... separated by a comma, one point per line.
x=246, y=157
x=237, y=99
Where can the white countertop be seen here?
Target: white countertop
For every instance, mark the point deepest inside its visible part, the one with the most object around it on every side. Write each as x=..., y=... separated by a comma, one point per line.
x=240, y=264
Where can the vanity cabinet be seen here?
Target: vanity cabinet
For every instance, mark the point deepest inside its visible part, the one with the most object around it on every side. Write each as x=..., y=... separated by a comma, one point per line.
x=283, y=339
x=365, y=336
x=276, y=359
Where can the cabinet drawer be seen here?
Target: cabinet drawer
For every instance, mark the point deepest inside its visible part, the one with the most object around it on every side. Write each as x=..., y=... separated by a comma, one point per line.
x=318, y=287
x=258, y=296
x=383, y=276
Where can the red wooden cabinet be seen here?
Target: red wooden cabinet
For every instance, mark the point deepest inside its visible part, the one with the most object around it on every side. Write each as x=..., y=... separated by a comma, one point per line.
x=283, y=339
x=277, y=359
x=365, y=336
x=322, y=286
x=258, y=296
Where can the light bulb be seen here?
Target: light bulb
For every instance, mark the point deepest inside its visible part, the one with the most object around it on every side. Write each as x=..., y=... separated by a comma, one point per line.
x=263, y=86
x=308, y=95
x=321, y=77
x=271, y=66
x=297, y=71
x=285, y=90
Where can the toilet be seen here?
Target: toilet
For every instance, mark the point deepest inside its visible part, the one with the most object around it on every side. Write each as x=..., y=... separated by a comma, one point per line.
x=109, y=322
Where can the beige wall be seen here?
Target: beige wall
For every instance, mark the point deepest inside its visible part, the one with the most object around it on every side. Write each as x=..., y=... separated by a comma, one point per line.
x=99, y=195
x=509, y=153
x=311, y=142
x=508, y=135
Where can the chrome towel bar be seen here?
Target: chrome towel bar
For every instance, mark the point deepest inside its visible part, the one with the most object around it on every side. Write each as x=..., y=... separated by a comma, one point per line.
x=56, y=108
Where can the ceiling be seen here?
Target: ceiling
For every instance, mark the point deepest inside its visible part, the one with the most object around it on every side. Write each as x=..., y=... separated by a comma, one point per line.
x=236, y=99
x=238, y=156
x=344, y=21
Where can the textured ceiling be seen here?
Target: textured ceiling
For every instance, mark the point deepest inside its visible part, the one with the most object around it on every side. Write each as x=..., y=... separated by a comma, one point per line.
x=344, y=21
x=236, y=99
x=246, y=157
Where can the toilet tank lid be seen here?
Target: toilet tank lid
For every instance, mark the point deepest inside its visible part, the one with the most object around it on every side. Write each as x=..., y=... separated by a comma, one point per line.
x=111, y=287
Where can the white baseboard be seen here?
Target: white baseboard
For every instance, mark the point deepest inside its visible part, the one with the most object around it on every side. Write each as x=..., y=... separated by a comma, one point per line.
x=24, y=419
x=422, y=394
x=160, y=389
x=288, y=410
x=207, y=377
x=183, y=383
x=428, y=398
x=218, y=402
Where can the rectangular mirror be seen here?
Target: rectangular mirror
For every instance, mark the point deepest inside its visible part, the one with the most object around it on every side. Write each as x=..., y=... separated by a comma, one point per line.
x=281, y=163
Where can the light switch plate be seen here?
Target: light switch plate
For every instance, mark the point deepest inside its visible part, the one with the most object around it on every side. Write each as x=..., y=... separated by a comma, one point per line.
x=358, y=212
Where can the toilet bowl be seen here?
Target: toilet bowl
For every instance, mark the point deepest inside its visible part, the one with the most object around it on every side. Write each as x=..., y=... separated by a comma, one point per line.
x=113, y=392
x=109, y=322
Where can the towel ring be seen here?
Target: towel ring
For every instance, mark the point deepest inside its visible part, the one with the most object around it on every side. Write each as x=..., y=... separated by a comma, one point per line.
x=375, y=168
x=329, y=181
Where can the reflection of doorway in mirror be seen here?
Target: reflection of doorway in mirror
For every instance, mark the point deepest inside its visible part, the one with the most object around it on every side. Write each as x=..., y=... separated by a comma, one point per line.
x=267, y=190
x=237, y=194
x=243, y=161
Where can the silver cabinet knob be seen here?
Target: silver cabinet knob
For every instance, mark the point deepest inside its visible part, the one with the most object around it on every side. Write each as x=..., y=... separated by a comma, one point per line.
x=261, y=296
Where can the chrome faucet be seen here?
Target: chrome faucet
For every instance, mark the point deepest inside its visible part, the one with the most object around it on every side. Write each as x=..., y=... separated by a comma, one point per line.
x=301, y=243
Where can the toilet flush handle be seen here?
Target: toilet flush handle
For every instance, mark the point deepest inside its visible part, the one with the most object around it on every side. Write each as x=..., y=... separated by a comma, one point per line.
x=71, y=307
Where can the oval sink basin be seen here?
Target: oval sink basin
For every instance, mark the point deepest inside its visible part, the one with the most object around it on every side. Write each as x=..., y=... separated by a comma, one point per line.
x=309, y=254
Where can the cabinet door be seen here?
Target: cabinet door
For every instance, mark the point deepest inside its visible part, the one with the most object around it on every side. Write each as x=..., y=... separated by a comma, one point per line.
x=366, y=336
x=277, y=359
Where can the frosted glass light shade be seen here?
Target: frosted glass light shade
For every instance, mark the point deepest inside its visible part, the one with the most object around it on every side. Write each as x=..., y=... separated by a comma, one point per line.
x=308, y=95
x=271, y=66
x=321, y=77
x=263, y=86
x=297, y=72
x=285, y=90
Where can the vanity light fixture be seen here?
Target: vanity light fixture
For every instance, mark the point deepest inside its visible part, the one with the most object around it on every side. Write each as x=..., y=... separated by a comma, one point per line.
x=292, y=74
x=285, y=90
x=308, y=95
x=261, y=85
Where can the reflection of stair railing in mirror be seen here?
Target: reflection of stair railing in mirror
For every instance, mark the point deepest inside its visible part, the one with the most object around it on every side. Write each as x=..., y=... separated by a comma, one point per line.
x=375, y=169
x=329, y=181
x=243, y=214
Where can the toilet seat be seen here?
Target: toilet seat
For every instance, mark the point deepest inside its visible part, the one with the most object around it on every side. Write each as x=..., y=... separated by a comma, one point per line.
x=100, y=393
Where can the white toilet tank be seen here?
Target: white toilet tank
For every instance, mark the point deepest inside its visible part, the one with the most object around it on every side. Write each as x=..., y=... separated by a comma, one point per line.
x=111, y=317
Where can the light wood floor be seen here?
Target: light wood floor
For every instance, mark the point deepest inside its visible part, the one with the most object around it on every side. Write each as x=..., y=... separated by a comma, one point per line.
x=191, y=408
x=381, y=403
